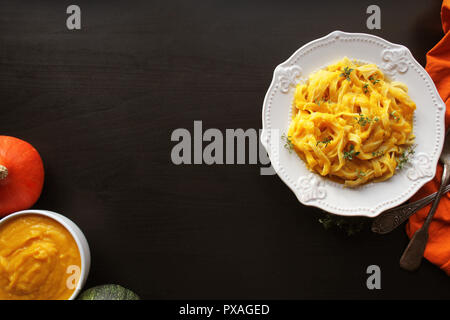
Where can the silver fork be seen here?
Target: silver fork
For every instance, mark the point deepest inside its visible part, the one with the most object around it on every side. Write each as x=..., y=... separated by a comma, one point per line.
x=412, y=256
x=392, y=218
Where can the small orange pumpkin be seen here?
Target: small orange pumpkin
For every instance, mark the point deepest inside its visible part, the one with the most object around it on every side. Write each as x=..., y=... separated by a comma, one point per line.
x=21, y=175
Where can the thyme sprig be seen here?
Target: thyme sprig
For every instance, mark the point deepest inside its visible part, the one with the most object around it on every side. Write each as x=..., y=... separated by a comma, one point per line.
x=349, y=225
x=405, y=157
x=393, y=115
x=346, y=73
x=350, y=153
x=373, y=80
x=319, y=102
x=325, y=141
x=377, y=153
x=366, y=88
x=363, y=120
x=361, y=174
x=287, y=142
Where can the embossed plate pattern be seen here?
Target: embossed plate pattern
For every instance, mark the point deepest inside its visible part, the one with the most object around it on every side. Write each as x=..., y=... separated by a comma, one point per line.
x=397, y=63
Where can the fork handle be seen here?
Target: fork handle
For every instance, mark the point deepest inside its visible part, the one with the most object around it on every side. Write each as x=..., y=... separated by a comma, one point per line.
x=392, y=218
x=412, y=256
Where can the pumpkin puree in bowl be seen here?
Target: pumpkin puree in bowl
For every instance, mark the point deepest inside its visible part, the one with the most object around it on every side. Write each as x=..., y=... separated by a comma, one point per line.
x=35, y=255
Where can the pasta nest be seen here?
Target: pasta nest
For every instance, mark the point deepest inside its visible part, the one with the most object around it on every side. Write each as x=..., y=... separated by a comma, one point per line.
x=352, y=124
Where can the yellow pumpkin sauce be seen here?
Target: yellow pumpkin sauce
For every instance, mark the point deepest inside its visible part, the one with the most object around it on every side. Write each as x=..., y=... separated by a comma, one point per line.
x=35, y=254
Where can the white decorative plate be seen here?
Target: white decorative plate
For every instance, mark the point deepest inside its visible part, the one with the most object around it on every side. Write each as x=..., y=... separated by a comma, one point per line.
x=397, y=63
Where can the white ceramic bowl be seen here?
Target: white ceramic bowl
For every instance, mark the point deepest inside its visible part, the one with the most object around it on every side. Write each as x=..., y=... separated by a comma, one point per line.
x=77, y=234
x=398, y=64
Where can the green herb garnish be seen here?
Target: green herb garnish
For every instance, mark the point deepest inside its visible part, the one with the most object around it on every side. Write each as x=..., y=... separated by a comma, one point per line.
x=325, y=141
x=287, y=142
x=350, y=153
x=405, y=157
x=346, y=73
x=366, y=88
x=350, y=225
x=393, y=114
x=361, y=174
x=373, y=80
x=377, y=153
x=318, y=102
x=363, y=120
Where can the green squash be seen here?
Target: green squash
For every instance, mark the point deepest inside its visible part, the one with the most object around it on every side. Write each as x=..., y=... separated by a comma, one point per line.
x=108, y=292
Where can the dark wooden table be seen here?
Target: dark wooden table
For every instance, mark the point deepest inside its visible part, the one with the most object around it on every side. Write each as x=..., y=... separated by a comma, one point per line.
x=100, y=105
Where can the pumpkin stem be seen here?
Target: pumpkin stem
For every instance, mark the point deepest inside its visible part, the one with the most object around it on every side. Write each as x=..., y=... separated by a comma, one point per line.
x=3, y=172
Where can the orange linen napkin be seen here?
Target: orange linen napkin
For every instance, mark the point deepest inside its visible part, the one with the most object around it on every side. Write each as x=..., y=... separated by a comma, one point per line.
x=438, y=247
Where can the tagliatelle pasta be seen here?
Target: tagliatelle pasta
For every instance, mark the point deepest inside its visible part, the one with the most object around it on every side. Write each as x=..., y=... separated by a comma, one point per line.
x=351, y=124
